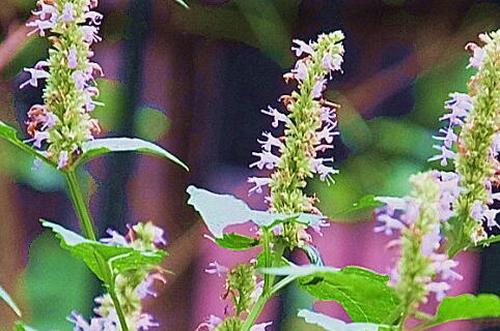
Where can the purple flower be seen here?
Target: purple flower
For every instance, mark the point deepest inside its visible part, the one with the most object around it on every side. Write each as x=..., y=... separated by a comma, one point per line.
x=46, y=12
x=300, y=71
x=444, y=156
x=91, y=34
x=321, y=169
x=444, y=265
x=39, y=138
x=302, y=47
x=266, y=160
x=277, y=116
x=449, y=137
x=478, y=55
x=328, y=116
x=431, y=241
x=116, y=238
x=460, y=105
x=80, y=79
x=495, y=145
x=489, y=216
x=439, y=288
x=318, y=88
x=332, y=62
x=94, y=17
x=72, y=58
x=145, y=322
x=270, y=141
x=390, y=224
x=67, y=13
x=214, y=268
x=158, y=238
x=210, y=324
x=318, y=226
x=63, y=159
x=327, y=133
x=259, y=182
x=36, y=74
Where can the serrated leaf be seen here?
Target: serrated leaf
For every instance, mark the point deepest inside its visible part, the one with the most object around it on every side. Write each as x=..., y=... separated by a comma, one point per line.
x=236, y=242
x=333, y=324
x=98, y=147
x=97, y=256
x=364, y=294
x=9, y=134
x=20, y=326
x=8, y=300
x=222, y=210
x=466, y=307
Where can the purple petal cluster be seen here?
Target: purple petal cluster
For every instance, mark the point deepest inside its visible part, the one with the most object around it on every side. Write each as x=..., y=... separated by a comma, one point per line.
x=315, y=65
x=70, y=78
x=400, y=214
x=140, y=236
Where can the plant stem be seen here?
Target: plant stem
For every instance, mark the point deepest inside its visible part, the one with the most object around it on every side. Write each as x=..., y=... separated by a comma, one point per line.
x=267, y=292
x=80, y=206
x=118, y=308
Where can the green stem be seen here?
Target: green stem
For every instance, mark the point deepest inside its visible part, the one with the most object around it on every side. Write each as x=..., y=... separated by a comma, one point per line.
x=79, y=204
x=119, y=310
x=267, y=292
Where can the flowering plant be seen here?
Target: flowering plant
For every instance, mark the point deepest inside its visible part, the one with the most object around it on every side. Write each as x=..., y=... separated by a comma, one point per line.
x=444, y=214
x=62, y=133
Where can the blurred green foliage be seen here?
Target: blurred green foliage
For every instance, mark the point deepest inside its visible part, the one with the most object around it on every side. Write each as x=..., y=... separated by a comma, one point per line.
x=386, y=151
x=55, y=284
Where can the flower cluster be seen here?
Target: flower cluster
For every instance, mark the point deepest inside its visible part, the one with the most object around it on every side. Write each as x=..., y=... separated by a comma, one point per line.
x=244, y=289
x=473, y=127
x=309, y=128
x=214, y=323
x=131, y=287
x=418, y=218
x=63, y=123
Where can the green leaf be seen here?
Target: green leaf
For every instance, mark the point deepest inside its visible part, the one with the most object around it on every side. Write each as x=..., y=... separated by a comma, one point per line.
x=8, y=300
x=20, y=326
x=236, y=242
x=105, y=260
x=333, y=324
x=466, y=307
x=98, y=147
x=367, y=202
x=364, y=294
x=222, y=210
x=9, y=134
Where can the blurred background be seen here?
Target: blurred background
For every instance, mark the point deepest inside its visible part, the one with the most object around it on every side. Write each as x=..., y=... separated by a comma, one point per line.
x=194, y=81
